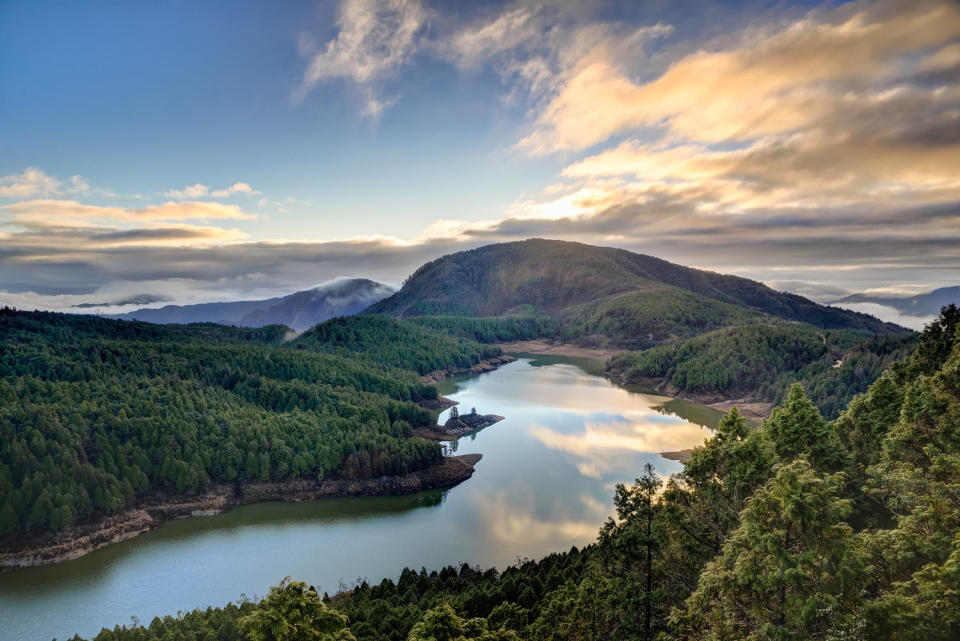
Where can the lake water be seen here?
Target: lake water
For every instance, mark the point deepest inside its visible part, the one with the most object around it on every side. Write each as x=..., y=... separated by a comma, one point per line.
x=545, y=483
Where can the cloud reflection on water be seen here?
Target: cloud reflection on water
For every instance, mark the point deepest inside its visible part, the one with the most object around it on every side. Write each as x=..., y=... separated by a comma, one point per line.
x=604, y=447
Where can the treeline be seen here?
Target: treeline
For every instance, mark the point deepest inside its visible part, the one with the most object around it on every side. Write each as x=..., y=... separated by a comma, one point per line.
x=763, y=360
x=796, y=529
x=96, y=413
x=492, y=330
x=396, y=343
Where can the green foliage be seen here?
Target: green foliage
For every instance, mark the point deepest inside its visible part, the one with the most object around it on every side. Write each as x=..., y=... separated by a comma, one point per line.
x=394, y=343
x=442, y=624
x=629, y=545
x=760, y=537
x=797, y=429
x=645, y=318
x=96, y=413
x=293, y=612
x=789, y=571
x=764, y=360
x=492, y=330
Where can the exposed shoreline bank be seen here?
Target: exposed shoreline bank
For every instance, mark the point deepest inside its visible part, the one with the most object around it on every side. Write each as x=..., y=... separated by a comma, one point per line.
x=452, y=471
x=488, y=365
x=548, y=348
x=748, y=407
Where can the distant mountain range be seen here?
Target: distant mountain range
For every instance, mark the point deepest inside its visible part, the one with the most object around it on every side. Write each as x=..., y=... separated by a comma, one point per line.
x=624, y=298
x=299, y=311
x=928, y=304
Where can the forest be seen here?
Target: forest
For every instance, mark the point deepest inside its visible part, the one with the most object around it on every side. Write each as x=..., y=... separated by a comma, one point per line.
x=763, y=360
x=796, y=528
x=97, y=413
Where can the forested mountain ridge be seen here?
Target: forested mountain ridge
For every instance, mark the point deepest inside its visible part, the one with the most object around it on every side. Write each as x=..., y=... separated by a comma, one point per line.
x=95, y=412
x=300, y=310
x=797, y=529
x=601, y=290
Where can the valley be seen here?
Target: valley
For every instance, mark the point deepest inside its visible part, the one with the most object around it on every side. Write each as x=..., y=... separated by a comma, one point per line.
x=566, y=381
x=563, y=500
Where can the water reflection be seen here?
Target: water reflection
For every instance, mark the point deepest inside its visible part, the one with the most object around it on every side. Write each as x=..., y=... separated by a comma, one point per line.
x=607, y=446
x=545, y=483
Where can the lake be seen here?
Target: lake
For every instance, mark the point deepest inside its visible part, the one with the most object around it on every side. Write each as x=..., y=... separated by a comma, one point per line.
x=545, y=483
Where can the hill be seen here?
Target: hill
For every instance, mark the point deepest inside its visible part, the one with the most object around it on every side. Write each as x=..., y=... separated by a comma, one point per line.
x=299, y=311
x=794, y=529
x=928, y=304
x=625, y=298
x=98, y=414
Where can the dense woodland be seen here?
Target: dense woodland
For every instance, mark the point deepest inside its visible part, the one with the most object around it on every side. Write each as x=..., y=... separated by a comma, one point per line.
x=799, y=528
x=763, y=360
x=97, y=413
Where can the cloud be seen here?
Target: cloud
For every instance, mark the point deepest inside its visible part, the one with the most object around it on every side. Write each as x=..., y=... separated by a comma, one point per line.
x=538, y=47
x=79, y=185
x=814, y=291
x=889, y=314
x=36, y=182
x=779, y=79
x=139, y=299
x=605, y=447
x=196, y=190
x=235, y=188
x=47, y=212
x=199, y=190
x=31, y=182
x=374, y=38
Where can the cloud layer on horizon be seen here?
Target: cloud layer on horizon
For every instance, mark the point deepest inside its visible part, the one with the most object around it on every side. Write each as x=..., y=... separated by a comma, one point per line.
x=799, y=148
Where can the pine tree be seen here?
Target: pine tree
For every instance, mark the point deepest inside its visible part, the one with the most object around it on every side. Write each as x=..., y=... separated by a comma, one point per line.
x=796, y=428
x=791, y=571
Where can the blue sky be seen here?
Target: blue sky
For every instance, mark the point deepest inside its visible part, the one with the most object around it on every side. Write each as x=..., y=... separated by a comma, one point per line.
x=222, y=150
x=146, y=97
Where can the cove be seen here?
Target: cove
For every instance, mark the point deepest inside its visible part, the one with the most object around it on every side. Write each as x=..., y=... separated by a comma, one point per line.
x=545, y=483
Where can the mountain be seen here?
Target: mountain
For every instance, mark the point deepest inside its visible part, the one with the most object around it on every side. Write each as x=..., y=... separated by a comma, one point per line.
x=629, y=299
x=303, y=310
x=300, y=310
x=928, y=304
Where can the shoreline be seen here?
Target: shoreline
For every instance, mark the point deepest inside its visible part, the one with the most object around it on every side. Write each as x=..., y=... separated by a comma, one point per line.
x=748, y=407
x=470, y=425
x=548, y=348
x=482, y=367
x=452, y=471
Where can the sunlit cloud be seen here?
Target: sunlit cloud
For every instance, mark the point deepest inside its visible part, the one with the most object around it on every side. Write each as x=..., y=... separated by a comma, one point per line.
x=199, y=190
x=779, y=79
x=35, y=182
x=52, y=212
x=821, y=145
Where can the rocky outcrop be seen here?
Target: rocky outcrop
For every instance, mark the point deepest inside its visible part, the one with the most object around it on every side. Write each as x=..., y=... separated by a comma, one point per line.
x=154, y=511
x=466, y=423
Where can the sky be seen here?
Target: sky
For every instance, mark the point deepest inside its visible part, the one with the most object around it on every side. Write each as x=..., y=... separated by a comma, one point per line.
x=200, y=151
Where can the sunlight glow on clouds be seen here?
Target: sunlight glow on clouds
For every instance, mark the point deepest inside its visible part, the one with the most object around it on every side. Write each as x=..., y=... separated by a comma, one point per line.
x=824, y=143
x=199, y=190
